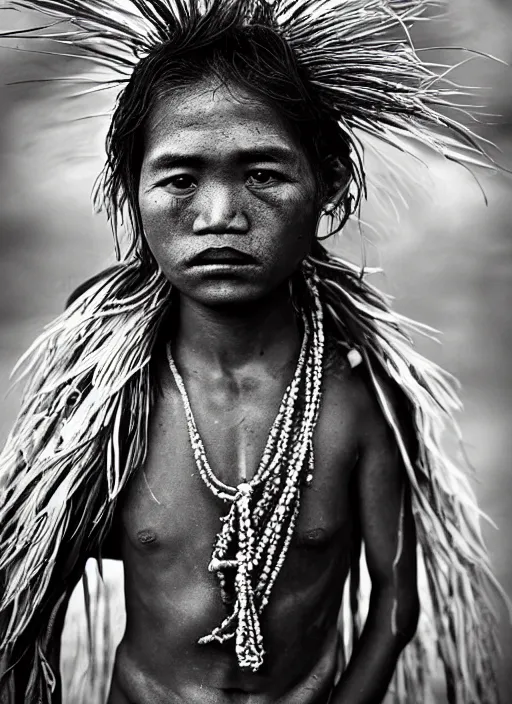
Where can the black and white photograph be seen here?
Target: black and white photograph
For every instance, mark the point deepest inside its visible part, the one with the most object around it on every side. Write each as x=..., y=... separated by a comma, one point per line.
x=255, y=334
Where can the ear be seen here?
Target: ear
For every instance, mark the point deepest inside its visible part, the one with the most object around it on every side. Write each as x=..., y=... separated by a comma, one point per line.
x=340, y=179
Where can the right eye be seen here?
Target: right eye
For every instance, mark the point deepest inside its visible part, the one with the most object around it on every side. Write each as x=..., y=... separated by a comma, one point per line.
x=181, y=184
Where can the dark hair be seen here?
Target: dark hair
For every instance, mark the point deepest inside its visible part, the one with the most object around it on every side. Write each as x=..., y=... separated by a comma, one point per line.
x=252, y=57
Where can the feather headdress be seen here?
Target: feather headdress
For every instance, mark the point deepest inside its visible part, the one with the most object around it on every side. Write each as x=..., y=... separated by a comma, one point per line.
x=358, y=55
x=82, y=429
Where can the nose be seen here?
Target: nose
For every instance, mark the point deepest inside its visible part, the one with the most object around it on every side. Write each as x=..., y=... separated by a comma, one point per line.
x=219, y=212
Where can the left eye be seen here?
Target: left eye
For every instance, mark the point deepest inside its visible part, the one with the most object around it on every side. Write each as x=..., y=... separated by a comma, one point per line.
x=262, y=177
x=182, y=182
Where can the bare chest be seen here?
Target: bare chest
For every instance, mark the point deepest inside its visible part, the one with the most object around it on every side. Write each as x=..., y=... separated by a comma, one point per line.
x=169, y=510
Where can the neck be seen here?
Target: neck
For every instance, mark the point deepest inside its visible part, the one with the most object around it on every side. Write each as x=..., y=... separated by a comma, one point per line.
x=230, y=338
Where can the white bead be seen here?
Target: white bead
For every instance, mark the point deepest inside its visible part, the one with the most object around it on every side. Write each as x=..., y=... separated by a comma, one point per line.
x=290, y=439
x=354, y=358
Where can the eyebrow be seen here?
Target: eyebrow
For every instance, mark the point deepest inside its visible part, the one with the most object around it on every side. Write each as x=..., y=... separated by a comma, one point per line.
x=272, y=153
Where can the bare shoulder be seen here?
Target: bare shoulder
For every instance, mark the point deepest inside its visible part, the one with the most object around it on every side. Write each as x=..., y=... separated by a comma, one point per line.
x=351, y=390
x=391, y=396
x=343, y=400
x=350, y=419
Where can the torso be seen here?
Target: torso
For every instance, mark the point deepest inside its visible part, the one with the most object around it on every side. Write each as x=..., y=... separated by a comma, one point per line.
x=168, y=521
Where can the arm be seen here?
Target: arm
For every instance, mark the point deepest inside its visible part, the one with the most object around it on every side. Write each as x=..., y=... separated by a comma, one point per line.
x=381, y=492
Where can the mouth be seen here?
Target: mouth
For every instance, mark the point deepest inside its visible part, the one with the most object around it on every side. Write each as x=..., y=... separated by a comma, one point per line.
x=222, y=256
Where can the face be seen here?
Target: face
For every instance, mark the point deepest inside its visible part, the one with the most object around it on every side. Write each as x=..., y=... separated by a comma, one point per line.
x=227, y=196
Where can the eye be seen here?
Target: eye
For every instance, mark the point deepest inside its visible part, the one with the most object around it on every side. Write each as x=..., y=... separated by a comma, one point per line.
x=263, y=177
x=181, y=184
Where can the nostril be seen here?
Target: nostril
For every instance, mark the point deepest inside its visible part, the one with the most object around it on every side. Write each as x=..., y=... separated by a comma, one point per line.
x=211, y=224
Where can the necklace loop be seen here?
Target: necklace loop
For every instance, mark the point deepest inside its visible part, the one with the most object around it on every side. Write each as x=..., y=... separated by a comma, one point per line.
x=259, y=525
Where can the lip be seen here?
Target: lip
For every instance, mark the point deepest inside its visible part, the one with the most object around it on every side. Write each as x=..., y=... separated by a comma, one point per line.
x=222, y=256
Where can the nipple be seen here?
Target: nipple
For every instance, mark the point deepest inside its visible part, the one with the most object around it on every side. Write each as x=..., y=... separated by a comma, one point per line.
x=146, y=536
x=313, y=537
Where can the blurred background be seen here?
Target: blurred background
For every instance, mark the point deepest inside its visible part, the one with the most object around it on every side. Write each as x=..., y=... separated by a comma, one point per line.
x=448, y=260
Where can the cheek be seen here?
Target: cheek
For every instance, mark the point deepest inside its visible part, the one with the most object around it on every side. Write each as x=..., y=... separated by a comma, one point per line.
x=161, y=220
x=164, y=219
x=283, y=221
x=159, y=208
x=293, y=220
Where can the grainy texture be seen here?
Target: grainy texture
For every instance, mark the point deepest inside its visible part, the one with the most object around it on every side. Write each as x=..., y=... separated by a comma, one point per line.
x=463, y=250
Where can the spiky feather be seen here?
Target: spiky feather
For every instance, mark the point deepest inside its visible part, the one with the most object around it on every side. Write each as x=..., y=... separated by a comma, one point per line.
x=82, y=429
x=358, y=53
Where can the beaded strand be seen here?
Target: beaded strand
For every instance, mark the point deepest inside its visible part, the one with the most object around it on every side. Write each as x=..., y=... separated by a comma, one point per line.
x=259, y=525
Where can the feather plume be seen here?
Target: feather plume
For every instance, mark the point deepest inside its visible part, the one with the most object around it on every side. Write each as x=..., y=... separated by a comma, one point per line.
x=82, y=429
x=85, y=404
x=358, y=54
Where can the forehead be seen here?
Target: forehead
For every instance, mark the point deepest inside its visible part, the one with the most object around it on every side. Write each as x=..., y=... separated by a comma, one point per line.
x=212, y=118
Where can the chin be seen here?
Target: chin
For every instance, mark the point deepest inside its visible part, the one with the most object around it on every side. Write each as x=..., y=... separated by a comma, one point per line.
x=229, y=294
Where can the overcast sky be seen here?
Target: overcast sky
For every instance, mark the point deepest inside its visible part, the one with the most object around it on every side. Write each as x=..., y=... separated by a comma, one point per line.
x=449, y=261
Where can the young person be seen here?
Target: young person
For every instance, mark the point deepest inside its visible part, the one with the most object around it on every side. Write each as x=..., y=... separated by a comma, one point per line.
x=232, y=411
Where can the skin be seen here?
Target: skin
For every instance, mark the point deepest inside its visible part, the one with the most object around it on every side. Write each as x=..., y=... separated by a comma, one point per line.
x=221, y=169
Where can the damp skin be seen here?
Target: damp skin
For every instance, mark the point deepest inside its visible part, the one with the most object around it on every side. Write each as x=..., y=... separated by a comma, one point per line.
x=222, y=169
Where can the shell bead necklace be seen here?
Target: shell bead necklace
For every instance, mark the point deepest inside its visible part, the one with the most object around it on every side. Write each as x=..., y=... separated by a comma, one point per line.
x=259, y=525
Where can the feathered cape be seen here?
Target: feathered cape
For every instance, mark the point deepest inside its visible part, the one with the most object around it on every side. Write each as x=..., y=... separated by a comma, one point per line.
x=82, y=432
x=82, y=429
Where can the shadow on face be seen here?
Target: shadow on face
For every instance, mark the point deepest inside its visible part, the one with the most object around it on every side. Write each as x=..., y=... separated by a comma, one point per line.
x=227, y=196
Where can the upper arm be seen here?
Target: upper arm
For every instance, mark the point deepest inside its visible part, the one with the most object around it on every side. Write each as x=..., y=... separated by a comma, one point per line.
x=384, y=500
